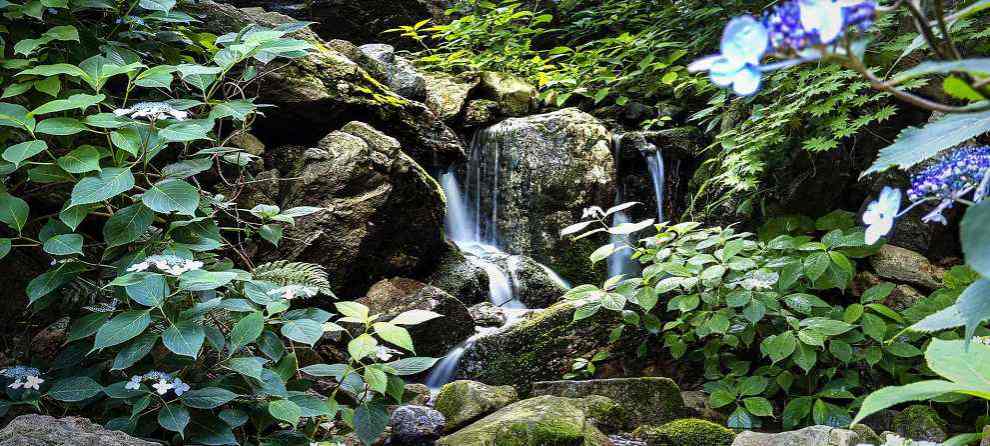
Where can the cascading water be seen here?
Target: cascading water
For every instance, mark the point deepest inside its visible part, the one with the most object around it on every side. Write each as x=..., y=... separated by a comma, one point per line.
x=621, y=262
x=654, y=162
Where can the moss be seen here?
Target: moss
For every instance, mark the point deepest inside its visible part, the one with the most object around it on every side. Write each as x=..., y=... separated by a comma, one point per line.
x=919, y=422
x=607, y=414
x=463, y=401
x=867, y=435
x=686, y=432
x=541, y=421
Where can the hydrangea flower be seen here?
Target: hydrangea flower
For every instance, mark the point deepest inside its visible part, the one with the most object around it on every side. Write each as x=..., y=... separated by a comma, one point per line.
x=744, y=43
x=384, y=353
x=954, y=175
x=163, y=382
x=293, y=291
x=880, y=214
x=153, y=111
x=167, y=263
x=800, y=24
x=162, y=386
x=24, y=377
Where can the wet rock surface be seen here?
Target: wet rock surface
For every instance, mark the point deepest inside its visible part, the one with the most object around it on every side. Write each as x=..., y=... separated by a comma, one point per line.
x=415, y=426
x=906, y=266
x=809, y=436
x=464, y=401
x=43, y=430
x=646, y=400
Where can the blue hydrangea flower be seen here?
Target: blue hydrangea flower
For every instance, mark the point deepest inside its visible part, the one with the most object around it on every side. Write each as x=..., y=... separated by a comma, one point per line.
x=744, y=43
x=952, y=176
x=800, y=24
x=880, y=214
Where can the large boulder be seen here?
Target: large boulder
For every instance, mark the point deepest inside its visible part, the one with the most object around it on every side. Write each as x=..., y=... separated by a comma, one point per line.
x=541, y=421
x=533, y=176
x=541, y=346
x=415, y=426
x=685, y=432
x=514, y=96
x=464, y=401
x=809, y=436
x=396, y=72
x=371, y=192
x=434, y=337
x=43, y=430
x=447, y=94
x=905, y=266
x=651, y=400
x=460, y=277
x=328, y=88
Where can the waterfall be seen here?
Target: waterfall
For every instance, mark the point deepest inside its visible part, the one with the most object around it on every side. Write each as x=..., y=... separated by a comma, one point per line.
x=444, y=371
x=620, y=262
x=654, y=162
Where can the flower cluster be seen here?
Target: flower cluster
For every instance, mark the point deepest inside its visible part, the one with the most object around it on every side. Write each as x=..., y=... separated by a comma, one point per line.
x=153, y=111
x=24, y=377
x=167, y=263
x=955, y=174
x=293, y=291
x=880, y=214
x=787, y=29
x=163, y=382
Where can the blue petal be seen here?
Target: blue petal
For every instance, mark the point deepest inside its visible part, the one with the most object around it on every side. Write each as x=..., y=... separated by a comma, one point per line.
x=823, y=16
x=744, y=40
x=746, y=81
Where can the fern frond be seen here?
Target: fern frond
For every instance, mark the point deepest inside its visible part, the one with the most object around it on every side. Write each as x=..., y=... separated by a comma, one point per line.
x=284, y=272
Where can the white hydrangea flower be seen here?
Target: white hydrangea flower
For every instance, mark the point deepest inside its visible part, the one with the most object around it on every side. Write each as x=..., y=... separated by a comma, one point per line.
x=16, y=384
x=289, y=292
x=384, y=353
x=167, y=263
x=153, y=111
x=24, y=377
x=33, y=382
x=162, y=386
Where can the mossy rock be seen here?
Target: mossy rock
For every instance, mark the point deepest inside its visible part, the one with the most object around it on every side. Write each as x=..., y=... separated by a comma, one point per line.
x=686, y=432
x=463, y=401
x=653, y=400
x=540, y=421
x=919, y=422
x=867, y=435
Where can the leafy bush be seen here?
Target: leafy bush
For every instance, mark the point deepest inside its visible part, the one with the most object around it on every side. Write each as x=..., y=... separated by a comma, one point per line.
x=116, y=121
x=752, y=311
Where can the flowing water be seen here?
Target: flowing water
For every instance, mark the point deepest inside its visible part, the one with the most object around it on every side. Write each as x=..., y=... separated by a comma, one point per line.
x=654, y=162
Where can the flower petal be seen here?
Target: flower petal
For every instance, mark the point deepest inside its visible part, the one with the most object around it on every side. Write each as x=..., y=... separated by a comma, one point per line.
x=745, y=40
x=746, y=81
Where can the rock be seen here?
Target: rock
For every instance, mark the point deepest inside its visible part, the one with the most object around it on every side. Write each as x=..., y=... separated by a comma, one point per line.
x=697, y=405
x=646, y=400
x=902, y=298
x=881, y=421
x=431, y=338
x=328, y=88
x=248, y=142
x=416, y=394
x=479, y=112
x=460, y=277
x=541, y=346
x=446, y=95
x=685, y=432
x=487, y=314
x=415, y=426
x=515, y=97
x=48, y=343
x=540, y=421
x=372, y=192
x=43, y=430
x=903, y=265
x=809, y=436
x=919, y=422
x=399, y=73
x=863, y=281
x=986, y=437
x=533, y=284
x=464, y=401
x=866, y=435
x=550, y=167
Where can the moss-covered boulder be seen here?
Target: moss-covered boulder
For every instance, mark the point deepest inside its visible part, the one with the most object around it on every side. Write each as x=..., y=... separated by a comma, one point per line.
x=434, y=337
x=867, y=436
x=514, y=96
x=540, y=421
x=647, y=400
x=809, y=436
x=447, y=95
x=541, y=346
x=685, y=432
x=371, y=191
x=463, y=279
x=920, y=422
x=464, y=401
x=31, y=430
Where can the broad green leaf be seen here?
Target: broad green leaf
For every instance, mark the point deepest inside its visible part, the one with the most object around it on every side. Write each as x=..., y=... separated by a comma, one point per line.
x=86, y=326
x=285, y=410
x=962, y=364
x=336, y=370
x=156, y=77
x=915, y=145
x=394, y=334
x=207, y=397
x=412, y=365
x=64, y=244
x=362, y=346
x=184, y=338
x=13, y=211
x=5, y=244
x=892, y=396
x=974, y=305
x=74, y=389
x=247, y=366
x=796, y=411
x=414, y=317
x=51, y=280
x=150, y=291
x=77, y=101
x=246, y=331
x=202, y=280
x=14, y=115
x=186, y=131
x=976, y=237
x=173, y=417
x=370, y=420
x=127, y=225
x=134, y=351
x=81, y=160
x=815, y=265
x=18, y=153
x=979, y=66
x=60, y=126
x=172, y=195
x=109, y=183
x=123, y=327
x=306, y=331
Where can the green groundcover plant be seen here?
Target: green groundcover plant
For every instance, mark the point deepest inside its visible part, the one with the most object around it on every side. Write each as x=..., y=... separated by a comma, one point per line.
x=116, y=119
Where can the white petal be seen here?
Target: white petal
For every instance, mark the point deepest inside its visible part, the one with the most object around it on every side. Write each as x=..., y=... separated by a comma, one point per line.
x=703, y=64
x=880, y=229
x=825, y=16
x=746, y=81
x=745, y=40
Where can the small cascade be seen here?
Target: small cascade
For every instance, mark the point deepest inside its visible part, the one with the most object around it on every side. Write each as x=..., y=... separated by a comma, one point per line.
x=654, y=162
x=621, y=262
x=445, y=370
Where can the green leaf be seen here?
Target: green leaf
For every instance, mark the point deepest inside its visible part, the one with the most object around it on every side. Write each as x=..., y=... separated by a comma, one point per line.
x=271, y=233
x=122, y=328
x=13, y=211
x=353, y=309
x=892, y=396
x=64, y=244
x=247, y=366
x=246, y=331
x=915, y=145
x=85, y=326
x=370, y=420
x=14, y=115
x=306, y=331
x=781, y=346
x=954, y=360
x=207, y=397
x=127, y=225
x=76, y=101
x=815, y=265
x=796, y=411
x=185, y=338
x=51, y=280
x=362, y=346
x=753, y=385
x=157, y=5
x=74, y=389
x=173, y=417
x=977, y=66
x=186, y=131
x=336, y=370
x=394, y=334
x=976, y=237
x=903, y=350
x=150, y=291
x=285, y=410
x=134, y=351
x=172, y=195
x=961, y=89
x=202, y=280
x=18, y=153
x=5, y=244
x=974, y=305
x=412, y=366
x=874, y=327
x=81, y=160
x=758, y=406
x=109, y=183
x=60, y=126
